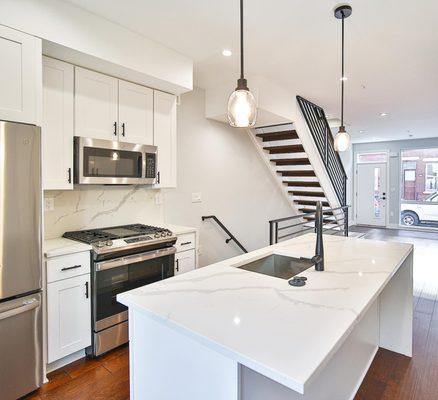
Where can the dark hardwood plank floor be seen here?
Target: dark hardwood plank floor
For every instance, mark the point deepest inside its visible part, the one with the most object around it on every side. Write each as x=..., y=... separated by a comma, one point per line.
x=104, y=378
x=390, y=377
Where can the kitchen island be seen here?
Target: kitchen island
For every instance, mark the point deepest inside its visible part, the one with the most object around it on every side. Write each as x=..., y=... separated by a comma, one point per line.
x=225, y=333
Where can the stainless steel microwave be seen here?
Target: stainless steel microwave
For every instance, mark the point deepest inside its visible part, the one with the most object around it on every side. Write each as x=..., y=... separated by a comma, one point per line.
x=107, y=162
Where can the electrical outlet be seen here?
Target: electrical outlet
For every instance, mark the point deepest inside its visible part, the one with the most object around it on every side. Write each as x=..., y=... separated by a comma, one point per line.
x=197, y=197
x=49, y=203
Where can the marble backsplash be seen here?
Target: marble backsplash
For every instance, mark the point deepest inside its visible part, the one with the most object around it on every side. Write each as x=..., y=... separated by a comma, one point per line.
x=100, y=206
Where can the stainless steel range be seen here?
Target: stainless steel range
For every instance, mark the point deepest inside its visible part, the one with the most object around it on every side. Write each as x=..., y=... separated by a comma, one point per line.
x=123, y=258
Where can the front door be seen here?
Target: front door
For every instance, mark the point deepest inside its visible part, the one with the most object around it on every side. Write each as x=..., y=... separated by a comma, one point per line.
x=371, y=194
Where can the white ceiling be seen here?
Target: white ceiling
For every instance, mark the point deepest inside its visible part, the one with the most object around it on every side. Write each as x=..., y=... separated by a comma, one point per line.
x=391, y=52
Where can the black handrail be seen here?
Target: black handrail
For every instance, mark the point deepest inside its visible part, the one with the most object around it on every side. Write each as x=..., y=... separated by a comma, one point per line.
x=322, y=135
x=231, y=236
x=341, y=224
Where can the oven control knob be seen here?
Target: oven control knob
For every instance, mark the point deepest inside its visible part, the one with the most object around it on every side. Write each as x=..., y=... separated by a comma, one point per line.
x=169, y=233
x=100, y=244
x=157, y=235
x=163, y=234
x=109, y=243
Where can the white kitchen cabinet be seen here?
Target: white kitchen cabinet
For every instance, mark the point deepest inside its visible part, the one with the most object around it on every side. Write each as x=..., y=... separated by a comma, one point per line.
x=165, y=138
x=20, y=76
x=185, y=261
x=136, y=113
x=96, y=105
x=57, y=124
x=68, y=316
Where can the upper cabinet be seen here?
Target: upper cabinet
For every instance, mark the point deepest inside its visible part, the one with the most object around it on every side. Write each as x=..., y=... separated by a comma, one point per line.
x=57, y=126
x=20, y=76
x=136, y=113
x=165, y=138
x=109, y=108
x=96, y=105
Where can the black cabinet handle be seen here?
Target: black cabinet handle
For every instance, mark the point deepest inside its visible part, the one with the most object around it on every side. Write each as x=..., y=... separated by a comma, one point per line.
x=69, y=175
x=177, y=265
x=115, y=128
x=86, y=290
x=73, y=267
x=158, y=177
x=123, y=129
x=185, y=243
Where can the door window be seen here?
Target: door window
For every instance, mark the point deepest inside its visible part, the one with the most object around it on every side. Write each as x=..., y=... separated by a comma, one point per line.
x=377, y=189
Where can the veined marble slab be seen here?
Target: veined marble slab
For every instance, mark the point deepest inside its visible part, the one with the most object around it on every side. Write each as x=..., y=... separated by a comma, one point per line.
x=285, y=333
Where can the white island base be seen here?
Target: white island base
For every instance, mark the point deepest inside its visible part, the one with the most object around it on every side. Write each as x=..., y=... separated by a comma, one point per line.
x=170, y=362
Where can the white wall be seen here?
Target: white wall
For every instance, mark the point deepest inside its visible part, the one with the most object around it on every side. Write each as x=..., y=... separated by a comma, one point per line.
x=78, y=36
x=347, y=161
x=236, y=186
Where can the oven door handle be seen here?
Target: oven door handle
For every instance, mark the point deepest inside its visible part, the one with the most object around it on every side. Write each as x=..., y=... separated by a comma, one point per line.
x=150, y=255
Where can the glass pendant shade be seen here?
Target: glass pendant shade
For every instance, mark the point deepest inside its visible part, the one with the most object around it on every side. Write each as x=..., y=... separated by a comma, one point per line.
x=242, y=108
x=342, y=140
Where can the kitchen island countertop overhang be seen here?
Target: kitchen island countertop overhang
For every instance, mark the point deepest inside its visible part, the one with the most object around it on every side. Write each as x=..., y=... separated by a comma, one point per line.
x=284, y=333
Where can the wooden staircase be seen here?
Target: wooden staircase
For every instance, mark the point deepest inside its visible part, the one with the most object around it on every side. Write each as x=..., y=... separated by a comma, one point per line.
x=282, y=146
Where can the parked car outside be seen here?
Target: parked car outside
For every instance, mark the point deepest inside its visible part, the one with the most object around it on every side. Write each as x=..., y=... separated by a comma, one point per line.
x=416, y=213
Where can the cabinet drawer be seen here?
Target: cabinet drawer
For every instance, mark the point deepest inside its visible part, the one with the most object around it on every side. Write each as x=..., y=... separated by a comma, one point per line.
x=185, y=242
x=185, y=261
x=64, y=267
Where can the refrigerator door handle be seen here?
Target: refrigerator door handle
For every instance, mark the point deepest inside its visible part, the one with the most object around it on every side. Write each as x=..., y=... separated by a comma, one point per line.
x=27, y=305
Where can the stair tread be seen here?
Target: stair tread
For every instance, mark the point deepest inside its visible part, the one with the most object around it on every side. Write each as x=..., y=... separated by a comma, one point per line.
x=292, y=148
x=298, y=173
x=281, y=135
x=307, y=193
x=311, y=202
x=302, y=183
x=291, y=161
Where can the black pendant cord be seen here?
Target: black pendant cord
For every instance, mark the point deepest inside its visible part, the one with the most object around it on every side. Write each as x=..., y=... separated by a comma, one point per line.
x=342, y=76
x=241, y=39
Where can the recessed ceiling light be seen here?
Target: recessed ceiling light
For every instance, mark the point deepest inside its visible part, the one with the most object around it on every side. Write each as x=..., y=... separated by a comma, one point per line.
x=227, y=53
x=383, y=114
x=361, y=131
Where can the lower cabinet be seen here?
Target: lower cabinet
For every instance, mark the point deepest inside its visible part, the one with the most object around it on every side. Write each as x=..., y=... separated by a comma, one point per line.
x=68, y=316
x=185, y=261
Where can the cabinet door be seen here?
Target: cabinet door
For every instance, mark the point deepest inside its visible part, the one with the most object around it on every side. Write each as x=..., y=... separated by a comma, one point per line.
x=165, y=138
x=68, y=316
x=96, y=98
x=136, y=113
x=20, y=76
x=185, y=261
x=57, y=126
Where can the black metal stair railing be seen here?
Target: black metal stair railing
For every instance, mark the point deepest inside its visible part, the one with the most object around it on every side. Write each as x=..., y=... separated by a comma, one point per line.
x=335, y=221
x=231, y=236
x=322, y=135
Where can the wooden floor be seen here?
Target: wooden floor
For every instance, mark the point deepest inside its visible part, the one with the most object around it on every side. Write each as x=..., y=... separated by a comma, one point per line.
x=105, y=378
x=391, y=376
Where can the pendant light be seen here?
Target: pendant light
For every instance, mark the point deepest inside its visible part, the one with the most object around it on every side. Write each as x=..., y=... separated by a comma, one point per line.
x=342, y=138
x=242, y=107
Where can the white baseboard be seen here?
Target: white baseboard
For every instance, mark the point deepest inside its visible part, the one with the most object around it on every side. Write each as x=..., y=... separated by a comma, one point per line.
x=65, y=361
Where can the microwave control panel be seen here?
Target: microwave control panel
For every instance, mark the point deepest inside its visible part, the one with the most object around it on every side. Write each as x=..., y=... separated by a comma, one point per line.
x=151, y=165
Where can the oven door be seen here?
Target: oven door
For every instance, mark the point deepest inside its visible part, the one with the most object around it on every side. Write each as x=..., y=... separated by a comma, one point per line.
x=119, y=275
x=112, y=162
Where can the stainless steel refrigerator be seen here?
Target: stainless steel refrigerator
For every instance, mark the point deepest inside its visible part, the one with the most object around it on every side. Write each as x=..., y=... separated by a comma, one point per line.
x=21, y=358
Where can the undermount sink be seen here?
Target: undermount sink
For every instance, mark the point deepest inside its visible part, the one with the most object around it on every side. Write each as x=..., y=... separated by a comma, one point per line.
x=278, y=266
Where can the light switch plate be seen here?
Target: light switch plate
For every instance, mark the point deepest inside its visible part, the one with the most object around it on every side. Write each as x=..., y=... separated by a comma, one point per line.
x=49, y=203
x=197, y=197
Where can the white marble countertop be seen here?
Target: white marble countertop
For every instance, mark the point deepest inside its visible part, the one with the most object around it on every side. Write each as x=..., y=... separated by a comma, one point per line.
x=61, y=246
x=285, y=333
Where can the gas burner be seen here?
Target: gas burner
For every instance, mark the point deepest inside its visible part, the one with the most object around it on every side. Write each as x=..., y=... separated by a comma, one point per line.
x=123, y=238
